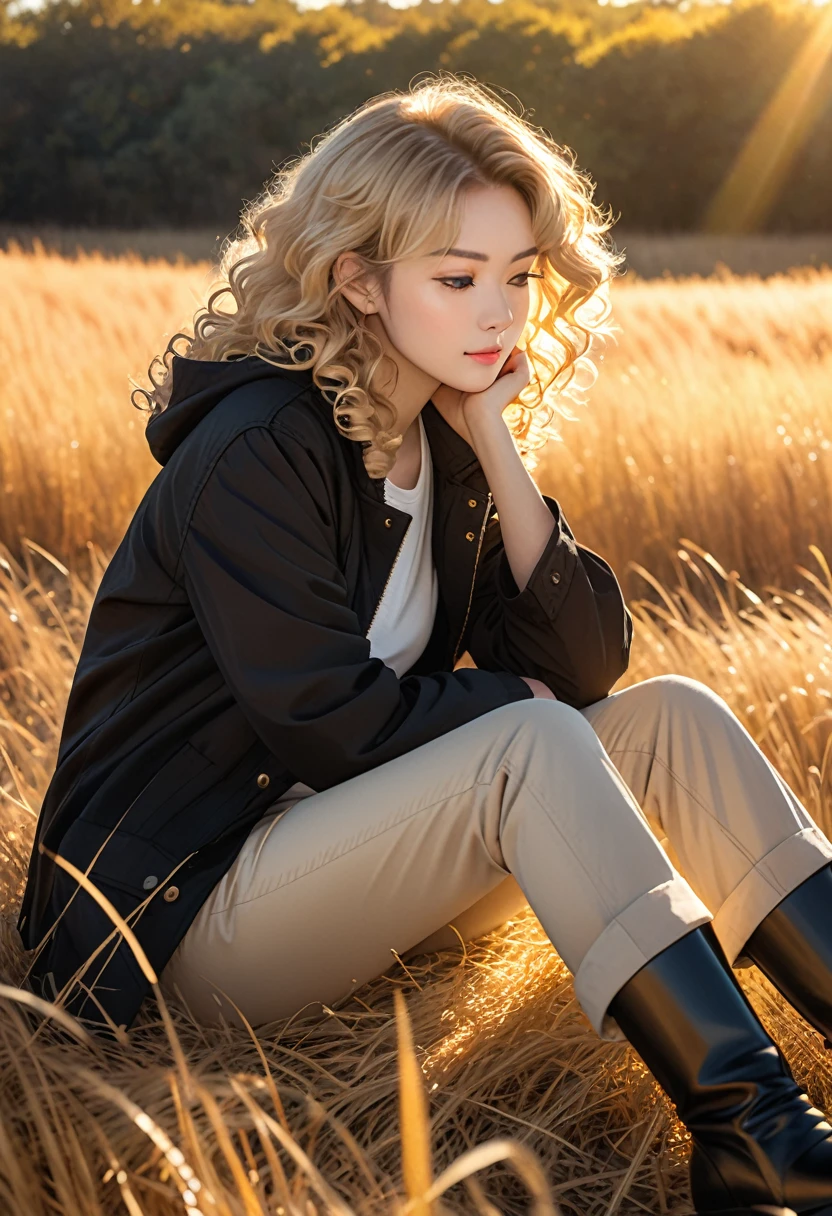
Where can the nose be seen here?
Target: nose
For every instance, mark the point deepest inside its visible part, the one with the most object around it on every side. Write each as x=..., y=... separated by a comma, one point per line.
x=496, y=313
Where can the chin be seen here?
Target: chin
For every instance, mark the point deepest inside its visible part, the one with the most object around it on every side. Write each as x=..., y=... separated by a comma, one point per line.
x=479, y=374
x=470, y=384
x=487, y=376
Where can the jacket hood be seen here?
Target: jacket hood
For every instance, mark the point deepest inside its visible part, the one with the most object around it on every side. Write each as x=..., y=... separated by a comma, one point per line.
x=197, y=386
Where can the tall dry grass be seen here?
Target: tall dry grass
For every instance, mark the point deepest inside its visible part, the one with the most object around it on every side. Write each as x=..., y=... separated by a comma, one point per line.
x=709, y=419
x=324, y=1112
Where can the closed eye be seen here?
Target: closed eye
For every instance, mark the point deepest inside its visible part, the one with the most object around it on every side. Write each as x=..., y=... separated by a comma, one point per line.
x=467, y=281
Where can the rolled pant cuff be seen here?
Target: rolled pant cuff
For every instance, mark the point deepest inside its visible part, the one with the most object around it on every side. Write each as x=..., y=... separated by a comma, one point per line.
x=655, y=920
x=774, y=877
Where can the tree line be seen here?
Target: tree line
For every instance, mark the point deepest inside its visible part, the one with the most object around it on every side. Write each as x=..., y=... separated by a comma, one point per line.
x=170, y=113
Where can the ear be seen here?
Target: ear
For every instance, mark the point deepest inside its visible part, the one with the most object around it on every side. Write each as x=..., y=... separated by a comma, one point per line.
x=362, y=289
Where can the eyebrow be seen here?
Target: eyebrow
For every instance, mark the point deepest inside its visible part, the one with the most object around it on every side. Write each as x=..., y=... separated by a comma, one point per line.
x=481, y=257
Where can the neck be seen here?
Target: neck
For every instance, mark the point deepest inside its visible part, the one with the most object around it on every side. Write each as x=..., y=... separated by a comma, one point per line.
x=408, y=463
x=408, y=387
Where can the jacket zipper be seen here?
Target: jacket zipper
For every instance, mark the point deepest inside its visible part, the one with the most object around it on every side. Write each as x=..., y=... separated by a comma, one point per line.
x=384, y=588
x=473, y=579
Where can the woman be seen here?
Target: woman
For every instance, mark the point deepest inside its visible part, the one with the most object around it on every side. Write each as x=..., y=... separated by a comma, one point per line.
x=271, y=764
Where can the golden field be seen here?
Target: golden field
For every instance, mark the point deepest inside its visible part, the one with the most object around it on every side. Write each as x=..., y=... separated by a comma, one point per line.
x=701, y=468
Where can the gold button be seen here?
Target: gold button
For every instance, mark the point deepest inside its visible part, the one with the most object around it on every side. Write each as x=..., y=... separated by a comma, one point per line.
x=469, y=535
x=388, y=523
x=555, y=577
x=472, y=502
x=263, y=780
x=171, y=894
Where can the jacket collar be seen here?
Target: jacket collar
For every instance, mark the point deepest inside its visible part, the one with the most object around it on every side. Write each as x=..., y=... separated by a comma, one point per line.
x=451, y=453
x=453, y=458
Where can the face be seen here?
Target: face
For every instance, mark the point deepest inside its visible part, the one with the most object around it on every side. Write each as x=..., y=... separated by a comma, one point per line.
x=439, y=310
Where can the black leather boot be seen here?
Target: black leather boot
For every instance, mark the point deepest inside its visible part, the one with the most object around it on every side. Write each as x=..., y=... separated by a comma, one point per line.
x=793, y=947
x=757, y=1141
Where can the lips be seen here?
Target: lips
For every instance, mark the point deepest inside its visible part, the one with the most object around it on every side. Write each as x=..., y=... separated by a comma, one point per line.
x=484, y=356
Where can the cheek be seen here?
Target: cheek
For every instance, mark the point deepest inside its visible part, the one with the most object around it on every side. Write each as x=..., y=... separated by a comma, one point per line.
x=427, y=319
x=430, y=310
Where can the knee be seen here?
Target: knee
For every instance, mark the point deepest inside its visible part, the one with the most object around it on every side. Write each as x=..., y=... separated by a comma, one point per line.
x=682, y=694
x=554, y=724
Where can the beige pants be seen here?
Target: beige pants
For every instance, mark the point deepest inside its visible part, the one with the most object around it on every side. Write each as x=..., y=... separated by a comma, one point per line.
x=575, y=812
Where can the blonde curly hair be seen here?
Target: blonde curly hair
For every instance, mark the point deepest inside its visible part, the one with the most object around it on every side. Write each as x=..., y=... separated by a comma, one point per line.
x=388, y=181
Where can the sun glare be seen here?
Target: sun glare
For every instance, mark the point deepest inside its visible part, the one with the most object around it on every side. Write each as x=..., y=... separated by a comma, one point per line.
x=756, y=178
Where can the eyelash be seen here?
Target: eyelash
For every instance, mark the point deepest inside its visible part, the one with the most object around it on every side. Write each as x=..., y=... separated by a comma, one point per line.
x=457, y=278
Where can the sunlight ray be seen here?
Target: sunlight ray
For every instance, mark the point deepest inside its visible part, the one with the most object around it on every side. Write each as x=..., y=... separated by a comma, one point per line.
x=753, y=183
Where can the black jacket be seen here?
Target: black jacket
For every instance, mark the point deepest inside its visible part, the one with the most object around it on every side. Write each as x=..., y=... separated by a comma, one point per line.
x=226, y=658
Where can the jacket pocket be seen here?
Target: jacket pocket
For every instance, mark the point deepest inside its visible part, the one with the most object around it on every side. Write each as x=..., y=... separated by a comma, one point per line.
x=126, y=862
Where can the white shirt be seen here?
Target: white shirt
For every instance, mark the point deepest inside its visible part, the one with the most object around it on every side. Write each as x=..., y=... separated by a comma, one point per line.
x=404, y=618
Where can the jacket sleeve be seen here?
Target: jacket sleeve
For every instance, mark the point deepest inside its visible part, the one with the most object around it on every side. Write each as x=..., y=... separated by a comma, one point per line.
x=568, y=627
x=259, y=565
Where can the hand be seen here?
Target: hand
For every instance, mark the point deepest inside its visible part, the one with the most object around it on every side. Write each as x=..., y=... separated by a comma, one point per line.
x=460, y=410
x=540, y=690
